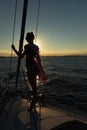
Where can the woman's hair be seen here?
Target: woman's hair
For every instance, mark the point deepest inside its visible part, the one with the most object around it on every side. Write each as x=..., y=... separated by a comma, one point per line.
x=30, y=36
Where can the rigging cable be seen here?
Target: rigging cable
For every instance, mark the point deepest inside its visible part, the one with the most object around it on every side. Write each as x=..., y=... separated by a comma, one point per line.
x=13, y=34
x=37, y=21
x=5, y=79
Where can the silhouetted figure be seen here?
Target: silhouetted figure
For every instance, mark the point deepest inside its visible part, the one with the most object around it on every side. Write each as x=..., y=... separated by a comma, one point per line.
x=33, y=64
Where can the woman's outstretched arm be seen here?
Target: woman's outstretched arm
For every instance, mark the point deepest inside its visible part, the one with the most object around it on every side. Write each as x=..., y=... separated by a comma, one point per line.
x=13, y=47
x=17, y=52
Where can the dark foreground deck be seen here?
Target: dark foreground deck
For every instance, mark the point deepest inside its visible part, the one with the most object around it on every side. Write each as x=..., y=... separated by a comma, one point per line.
x=17, y=117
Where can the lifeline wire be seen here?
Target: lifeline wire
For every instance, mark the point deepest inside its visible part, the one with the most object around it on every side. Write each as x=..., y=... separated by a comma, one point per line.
x=13, y=33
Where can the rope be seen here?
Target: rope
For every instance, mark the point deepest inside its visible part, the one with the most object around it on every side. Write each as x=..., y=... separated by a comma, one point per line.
x=37, y=22
x=13, y=34
x=11, y=49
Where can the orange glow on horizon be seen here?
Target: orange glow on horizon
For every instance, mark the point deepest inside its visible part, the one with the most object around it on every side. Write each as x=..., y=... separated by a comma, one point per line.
x=48, y=53
x=63, y=53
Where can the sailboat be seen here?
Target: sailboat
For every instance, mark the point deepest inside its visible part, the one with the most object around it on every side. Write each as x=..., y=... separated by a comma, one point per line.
x=14, y=114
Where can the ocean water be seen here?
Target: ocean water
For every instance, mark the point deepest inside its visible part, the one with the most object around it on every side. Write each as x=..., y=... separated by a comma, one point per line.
x=67, y=84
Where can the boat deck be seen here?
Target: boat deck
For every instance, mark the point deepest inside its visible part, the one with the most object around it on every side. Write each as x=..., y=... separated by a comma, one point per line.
x=17, y=117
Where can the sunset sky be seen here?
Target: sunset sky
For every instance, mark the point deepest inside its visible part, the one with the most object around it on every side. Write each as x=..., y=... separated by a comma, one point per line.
x=62, y=26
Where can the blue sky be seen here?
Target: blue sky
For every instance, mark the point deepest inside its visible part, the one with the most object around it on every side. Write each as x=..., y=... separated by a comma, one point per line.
x=62, y=26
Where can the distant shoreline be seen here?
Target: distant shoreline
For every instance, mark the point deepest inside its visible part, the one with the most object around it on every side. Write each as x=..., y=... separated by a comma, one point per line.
x=49, y=56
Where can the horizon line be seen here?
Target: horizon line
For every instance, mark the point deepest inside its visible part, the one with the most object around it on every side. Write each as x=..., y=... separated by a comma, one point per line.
x=14, y=56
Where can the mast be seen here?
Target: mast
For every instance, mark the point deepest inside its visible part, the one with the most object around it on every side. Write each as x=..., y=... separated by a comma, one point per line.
x=21, y=40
